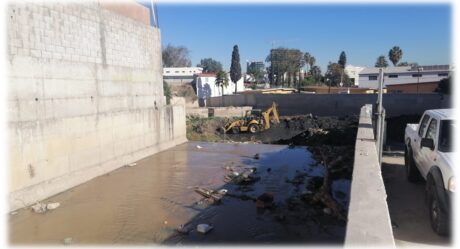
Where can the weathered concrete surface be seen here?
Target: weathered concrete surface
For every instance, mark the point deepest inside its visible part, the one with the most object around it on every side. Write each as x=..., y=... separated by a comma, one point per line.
x=368, y=217
x=407, y=204
x=335, y=104
x=85, y=96
x=224, y=112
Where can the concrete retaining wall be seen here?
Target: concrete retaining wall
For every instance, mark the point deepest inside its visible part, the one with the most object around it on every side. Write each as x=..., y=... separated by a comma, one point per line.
x=369, y=221
x=225, y=112
x=85, y=96
x=335, y=104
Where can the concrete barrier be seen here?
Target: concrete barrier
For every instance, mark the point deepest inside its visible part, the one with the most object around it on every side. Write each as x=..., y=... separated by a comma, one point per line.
x=82, y=101
x=369, y=221
x=335, y=104
x=224, y=112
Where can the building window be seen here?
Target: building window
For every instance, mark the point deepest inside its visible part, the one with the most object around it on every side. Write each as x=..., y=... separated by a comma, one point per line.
x=393, y=76
x=416, y=75
x=372, y=77
x=167, y=72
x=176, y=71
x=443, y=74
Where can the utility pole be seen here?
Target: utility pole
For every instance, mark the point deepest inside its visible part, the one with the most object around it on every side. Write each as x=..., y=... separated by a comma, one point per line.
x=380, y=118
x=418, y=76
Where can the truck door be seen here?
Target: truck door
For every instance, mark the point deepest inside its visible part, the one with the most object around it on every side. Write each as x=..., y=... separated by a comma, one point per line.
x=417, y=139
x=426, y=154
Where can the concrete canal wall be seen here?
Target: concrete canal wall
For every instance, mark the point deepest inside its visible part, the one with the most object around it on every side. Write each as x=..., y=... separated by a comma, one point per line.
x=85, y=95
x=335, y=104
x=369, y=221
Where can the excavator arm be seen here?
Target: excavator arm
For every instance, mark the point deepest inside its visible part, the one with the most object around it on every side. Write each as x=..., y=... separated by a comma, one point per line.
x=266, y=115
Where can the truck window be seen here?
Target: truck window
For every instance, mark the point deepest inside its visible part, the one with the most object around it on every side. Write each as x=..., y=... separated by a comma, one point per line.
x=445, y=136
x=432, y=129
x=422, y=127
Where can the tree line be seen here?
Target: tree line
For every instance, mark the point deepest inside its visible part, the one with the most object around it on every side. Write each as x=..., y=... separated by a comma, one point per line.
x=285, y=66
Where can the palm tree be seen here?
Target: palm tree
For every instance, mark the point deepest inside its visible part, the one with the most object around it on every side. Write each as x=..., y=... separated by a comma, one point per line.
x=221, y=80
x=395, y=54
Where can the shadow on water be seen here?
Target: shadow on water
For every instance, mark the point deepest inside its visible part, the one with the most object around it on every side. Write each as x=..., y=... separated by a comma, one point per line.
x=236, y=220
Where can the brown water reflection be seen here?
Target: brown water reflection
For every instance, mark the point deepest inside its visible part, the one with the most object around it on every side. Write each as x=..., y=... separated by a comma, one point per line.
x=145, y=203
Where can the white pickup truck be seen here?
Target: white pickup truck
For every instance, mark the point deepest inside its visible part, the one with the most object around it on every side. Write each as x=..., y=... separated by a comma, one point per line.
x=429, y=155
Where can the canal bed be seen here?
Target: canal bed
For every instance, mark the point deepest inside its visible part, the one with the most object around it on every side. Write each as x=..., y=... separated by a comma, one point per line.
x=145, y=203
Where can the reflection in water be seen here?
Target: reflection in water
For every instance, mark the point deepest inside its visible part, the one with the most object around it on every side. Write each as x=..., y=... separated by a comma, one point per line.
x=145, y=203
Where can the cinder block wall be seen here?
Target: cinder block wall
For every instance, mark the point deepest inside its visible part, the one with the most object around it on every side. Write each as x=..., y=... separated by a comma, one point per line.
x=85, y=96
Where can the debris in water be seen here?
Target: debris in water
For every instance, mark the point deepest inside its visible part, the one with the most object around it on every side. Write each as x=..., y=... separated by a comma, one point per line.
x=210, y=194
x=14, y=213
x=269, y=169
x=165, y=222
x=203, y=228
x=256, y=156
x=51, y=206
x=39, y=208
x=199, y=147
x=222, y=191
x=67, y=241
x=183, y=229
x=327, y=211
x=265, y=200
x=132, y=164
x=245, y=177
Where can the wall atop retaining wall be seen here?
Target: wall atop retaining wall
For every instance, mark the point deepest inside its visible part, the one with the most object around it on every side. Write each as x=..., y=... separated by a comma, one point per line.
x=335, y=104
x=369, y=221
x=85, y=96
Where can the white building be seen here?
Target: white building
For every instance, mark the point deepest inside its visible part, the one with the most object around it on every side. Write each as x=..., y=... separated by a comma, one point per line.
x=206, y=87
x=353, y=73
x=180, y=75
x=404, y=76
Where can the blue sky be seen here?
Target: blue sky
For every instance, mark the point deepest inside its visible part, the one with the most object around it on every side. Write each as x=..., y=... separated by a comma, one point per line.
x=364, y=32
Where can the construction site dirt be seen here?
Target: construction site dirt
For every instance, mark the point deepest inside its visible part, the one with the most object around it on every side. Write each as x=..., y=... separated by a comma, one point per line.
x=287, y=131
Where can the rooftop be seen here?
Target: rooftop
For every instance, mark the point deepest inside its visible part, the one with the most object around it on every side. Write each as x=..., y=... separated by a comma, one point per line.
x=408, y=69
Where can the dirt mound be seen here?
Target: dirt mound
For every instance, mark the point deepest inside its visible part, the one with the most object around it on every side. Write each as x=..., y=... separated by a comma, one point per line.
x=296, y=130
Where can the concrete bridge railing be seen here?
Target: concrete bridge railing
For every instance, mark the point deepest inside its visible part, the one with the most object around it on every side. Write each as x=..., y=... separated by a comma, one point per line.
x=368, y=216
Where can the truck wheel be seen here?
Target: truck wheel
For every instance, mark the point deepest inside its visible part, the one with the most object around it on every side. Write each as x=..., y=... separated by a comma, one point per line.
x=438, y=215
x=412, y=173
x=235, y=130
x=253, y=128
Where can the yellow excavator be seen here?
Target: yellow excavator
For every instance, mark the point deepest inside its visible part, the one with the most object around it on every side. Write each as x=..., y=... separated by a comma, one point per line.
x=253, y=121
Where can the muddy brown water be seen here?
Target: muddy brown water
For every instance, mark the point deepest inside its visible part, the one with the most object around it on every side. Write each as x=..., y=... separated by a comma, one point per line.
x=144, y=204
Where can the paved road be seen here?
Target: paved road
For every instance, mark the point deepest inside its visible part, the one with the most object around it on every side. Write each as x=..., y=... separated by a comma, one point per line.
x=406, y=202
